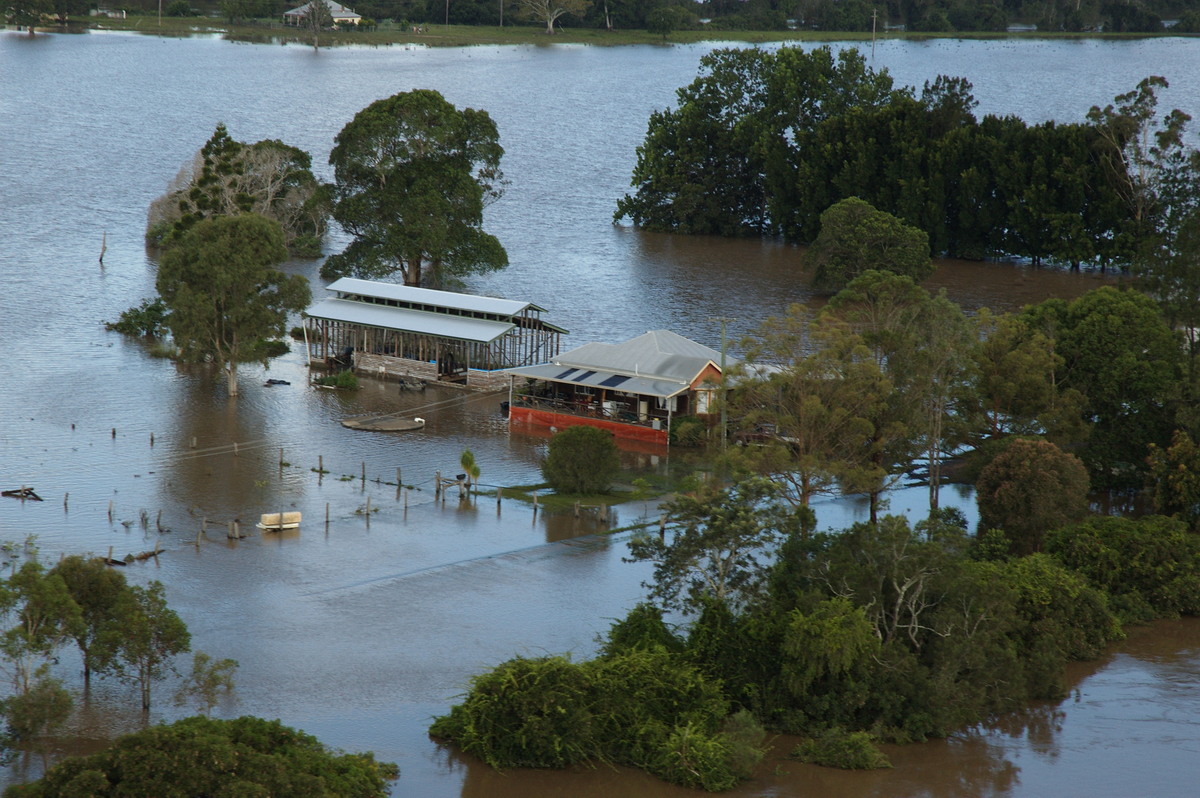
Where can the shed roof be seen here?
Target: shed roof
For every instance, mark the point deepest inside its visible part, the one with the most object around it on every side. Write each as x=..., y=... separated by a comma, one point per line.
x=448, y=300
x=462, y=328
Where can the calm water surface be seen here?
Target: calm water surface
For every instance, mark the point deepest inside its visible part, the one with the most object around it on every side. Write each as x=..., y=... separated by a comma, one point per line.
x=360, y=632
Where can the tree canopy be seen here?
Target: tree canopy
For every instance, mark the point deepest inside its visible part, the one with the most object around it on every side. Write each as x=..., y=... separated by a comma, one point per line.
x=201, y=756
x=412, y=175
x=226, y=299
x=227, y=178
x=856, y=238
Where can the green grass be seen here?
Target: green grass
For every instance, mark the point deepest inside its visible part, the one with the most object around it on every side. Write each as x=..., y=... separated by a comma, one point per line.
x=273, y=31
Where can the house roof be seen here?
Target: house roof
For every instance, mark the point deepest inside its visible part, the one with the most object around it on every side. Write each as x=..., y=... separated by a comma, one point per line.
x=658, y=363
x=336, y=10
x=660, y=354
x=462, y=328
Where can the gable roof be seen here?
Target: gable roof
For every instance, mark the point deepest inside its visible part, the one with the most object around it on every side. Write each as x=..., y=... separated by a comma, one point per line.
x=336, y=11
x=427, y=298
x=658, y=363
x=659, y=354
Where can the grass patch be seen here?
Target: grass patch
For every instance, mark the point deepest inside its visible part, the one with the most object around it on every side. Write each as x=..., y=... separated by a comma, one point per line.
x=272, y=31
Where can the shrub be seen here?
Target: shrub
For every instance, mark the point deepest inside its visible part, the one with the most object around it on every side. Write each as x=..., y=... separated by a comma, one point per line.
x=344, y=380
x=582, y=459
x=840, y=749
x=147, y=319
x=687, y=431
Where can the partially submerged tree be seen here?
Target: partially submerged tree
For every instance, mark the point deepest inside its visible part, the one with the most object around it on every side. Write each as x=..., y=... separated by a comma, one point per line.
x=153, y=635
x=99, y=591
x=412, y=175
x=207, y=682
x=316, y=19
x=227, y=300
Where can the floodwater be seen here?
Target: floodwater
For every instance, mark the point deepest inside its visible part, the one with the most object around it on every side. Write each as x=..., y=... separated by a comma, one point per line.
x=361, y=629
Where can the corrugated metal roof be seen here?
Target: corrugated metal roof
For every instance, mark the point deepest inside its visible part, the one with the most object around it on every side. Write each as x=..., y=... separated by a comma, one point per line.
x=385, y=317
x=659, y=354
x=644, y=386
x=428, y=296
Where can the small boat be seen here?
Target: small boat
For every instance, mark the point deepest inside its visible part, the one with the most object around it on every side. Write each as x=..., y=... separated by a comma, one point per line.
x=273, y=522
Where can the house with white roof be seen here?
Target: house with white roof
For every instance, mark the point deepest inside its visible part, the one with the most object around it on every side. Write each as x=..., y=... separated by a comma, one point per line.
x=338, y=13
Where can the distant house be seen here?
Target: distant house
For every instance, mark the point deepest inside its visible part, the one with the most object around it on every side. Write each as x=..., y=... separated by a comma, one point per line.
x=401, y=331
x=632, y=389
x=340, y=15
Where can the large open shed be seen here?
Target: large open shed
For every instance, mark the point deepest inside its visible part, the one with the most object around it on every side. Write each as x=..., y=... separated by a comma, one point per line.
x=407, y=332
x=633, y=389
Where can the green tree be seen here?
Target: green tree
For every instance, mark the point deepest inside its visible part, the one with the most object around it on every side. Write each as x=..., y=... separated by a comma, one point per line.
x=1175, y=479
x=38, y=713
x=153, y=635
x=1119, y=353
x=208, y=680
x=225, y=296
x=98, y=591
x=581, y=459
x=27, y=13
x=551, y=11
x=42, y=614
x=856, y=238
x=227, y=178
x=891, y=314
x=412, y=176
x=819, y=394
x=200, y=756
x=469, y=466
x=1029, y=489
x=720, y=539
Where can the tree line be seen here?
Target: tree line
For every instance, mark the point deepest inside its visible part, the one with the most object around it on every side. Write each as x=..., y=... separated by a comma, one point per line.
x=762, y=143
x=881, y=632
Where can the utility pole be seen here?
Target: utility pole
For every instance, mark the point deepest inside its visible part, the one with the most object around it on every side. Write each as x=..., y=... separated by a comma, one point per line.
x=874, y=14
x=724, y=417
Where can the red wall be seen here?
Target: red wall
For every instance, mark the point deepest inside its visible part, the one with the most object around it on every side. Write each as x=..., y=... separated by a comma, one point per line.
x=545, y=418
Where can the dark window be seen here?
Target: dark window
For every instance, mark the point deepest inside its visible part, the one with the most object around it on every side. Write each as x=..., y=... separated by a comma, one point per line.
x=614, y=381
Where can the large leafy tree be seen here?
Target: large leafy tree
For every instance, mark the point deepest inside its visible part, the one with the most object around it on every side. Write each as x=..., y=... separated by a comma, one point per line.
x=225, y=297
x=855, y=238
x=98, y=590
x=412, y=177
x=28, y=13
x=200, y=756
x=1125, y=360
x=1029, y=489
x=817, y=387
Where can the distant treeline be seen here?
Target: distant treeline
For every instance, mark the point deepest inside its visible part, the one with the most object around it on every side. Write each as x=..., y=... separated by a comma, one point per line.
x=762, y=143
x=830, y=15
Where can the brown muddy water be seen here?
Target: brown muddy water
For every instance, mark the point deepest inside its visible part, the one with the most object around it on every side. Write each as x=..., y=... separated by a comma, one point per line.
x=359, y=632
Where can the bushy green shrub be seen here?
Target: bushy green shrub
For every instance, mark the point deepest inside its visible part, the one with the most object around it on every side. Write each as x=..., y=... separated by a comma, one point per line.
x=1150, y=567
x=687, y=431
x=646, y=708
x=837, y=748
x=581, y=459
x=344, y=380
x=147, y=319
